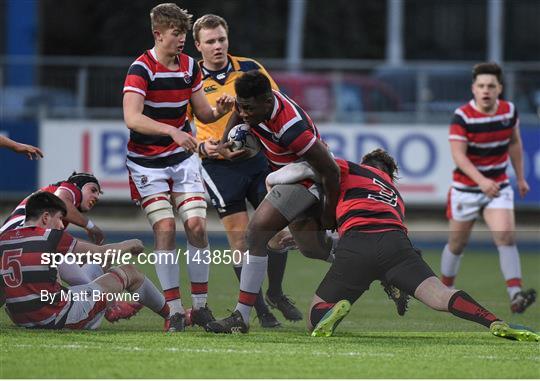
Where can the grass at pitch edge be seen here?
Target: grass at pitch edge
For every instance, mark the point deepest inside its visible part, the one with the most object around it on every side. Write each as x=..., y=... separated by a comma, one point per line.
x=372, y=341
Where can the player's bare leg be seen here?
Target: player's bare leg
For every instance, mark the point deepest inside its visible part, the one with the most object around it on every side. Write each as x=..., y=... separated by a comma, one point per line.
x=458, y=237
x=501, y=222
x=235, y=226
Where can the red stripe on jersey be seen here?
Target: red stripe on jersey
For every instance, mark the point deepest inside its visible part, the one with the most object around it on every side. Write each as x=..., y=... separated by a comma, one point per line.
x=65, y=244
x=41, y=314
x=150, y=150
x=368, y=200
x=32, y=288
x=167, y=95
x=24, y=232
x=489, y=137
x=135, y=81
x=456, y=129
x=488, y=160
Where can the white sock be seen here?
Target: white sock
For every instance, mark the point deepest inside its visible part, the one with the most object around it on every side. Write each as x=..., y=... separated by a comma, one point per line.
x=253, y=273
x=150, y=296
x=169, y=277
x=449, y=263
x=93, y=271
x=510, y=268
x=199, y=260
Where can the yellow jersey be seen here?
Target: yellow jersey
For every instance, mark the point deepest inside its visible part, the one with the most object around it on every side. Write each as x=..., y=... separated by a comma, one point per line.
x=218, y=83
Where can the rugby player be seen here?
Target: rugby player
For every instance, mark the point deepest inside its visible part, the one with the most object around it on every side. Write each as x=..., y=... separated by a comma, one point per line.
x=484, y=138
x=163, y=172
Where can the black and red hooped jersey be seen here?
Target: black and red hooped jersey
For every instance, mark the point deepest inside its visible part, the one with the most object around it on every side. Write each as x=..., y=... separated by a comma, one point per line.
x=17, y=217
x=368, y=200
x=488, y=138
x=166, y=96
x=288, y=134
x=24, y=275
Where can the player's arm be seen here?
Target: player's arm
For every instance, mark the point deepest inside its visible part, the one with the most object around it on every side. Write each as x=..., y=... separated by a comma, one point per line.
x=224, y=146
x=322, y=162
x=133, y=105
x=74, y=216
x=515, y=151
x=31, y=151
x=133, y=246
x=206, y=113
x=459, y=153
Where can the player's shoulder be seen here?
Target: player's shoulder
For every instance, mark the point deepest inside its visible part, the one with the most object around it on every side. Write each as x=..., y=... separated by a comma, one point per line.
x=146, y=60
x=506, y=107
x=244, y=63
x=19, y=234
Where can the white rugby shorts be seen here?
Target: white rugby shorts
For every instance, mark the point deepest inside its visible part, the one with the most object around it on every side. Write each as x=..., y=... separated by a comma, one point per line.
x=183, y=177
x=466, y=206
x=87, y=313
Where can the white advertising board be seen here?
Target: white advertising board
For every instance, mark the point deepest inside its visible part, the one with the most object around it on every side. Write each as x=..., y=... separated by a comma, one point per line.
x=422, y=152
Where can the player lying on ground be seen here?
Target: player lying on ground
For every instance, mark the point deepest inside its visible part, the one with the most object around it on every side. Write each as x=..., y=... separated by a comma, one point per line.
x=374, y=245
x=35, y=298
x=30, y=151
x=80, y=192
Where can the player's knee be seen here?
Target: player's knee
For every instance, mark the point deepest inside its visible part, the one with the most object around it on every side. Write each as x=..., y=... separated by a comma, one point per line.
x=504, y=238
x=157, y=208
x=456, y=247
x=134, y=277
x=190, y=205
x=196, y=231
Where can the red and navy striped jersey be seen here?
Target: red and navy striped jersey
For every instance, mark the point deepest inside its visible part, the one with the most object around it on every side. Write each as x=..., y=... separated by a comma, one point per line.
x=488, y=138
x=166, y=97
x=288, y=134
x=24, y=275
x=368, y=200
x=18, y=216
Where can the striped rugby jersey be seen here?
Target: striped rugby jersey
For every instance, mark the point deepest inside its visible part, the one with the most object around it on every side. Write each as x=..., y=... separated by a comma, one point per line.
x=18, y=216
x=488, y=138
x=288, y=134
x=24, y=276
x=368, y=200
x=166, y=97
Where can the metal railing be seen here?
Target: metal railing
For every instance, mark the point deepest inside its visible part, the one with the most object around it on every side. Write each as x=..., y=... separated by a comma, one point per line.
x=331, y=90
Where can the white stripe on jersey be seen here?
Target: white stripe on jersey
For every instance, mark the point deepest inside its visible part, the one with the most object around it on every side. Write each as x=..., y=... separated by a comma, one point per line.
x=35, y=268
x=136, y=89
x=197, y=88
x=140, y=63
x=165, y=104
x=164, y=154
x=308, y=146
x=70, y=191
x=27, y=239
x=493, y=166
x=23, y=298
x=490, y=144
x=180, y=74
x=191, y=61
x=14, y=222
x=291, y=122
x=457, y=137
x=487, y=119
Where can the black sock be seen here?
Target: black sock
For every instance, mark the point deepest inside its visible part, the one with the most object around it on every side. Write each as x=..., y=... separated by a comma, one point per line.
x=318, y=311
x=260, y=306
x=277, y=260
x=463, y=306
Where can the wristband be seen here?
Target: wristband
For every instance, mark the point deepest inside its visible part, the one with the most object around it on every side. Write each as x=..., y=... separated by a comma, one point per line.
x=90, y=225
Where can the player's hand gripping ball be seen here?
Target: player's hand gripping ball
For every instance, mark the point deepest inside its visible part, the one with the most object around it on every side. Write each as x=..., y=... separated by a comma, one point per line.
x=241, y=138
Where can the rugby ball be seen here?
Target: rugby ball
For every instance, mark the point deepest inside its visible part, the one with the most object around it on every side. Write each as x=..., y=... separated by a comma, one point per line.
x=242, y=138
